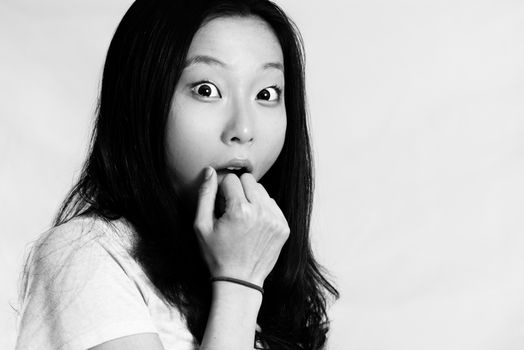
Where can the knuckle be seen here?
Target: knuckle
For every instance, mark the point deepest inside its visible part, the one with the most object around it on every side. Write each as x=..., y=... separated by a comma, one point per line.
x=199, y=227
x=275, y=226
x=244, y=208
x=261, y=189
x=203, y=190
x=266, y=194
x=283, y=230
x=241, y=210
x=196, y=226
x=265, y=217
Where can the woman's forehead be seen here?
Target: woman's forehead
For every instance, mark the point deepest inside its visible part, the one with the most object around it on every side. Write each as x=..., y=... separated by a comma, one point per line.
x=233, y=42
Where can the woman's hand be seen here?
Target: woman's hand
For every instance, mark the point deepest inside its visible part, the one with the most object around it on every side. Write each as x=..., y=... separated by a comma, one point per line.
x=246, y=241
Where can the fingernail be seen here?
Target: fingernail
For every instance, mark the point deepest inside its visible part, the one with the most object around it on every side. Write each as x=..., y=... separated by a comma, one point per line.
x=209, y=172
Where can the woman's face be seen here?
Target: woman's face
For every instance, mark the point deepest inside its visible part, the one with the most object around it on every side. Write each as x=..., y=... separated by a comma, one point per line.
x=228, y=103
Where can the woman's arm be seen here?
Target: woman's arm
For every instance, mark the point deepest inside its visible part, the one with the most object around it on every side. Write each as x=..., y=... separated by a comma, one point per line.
x=232, y=318
x=230, y=326
x=142, y=341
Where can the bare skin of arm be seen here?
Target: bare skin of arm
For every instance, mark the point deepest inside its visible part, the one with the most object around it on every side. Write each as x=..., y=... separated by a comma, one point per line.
x=233, y=317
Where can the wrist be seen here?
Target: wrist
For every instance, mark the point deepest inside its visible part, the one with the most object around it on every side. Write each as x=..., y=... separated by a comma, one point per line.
x=236, y=292
x=237, y=281
x=251, y=278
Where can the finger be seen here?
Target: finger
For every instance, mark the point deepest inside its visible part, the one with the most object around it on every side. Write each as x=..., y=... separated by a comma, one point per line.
x=263, y=192
x=206, y=202
x=272, y=202
x=251, y=188
x=232, y=190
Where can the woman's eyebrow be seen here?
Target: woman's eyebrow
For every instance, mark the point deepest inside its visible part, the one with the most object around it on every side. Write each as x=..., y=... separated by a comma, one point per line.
x=212, y=61
x=276, y=65
x=204, y=59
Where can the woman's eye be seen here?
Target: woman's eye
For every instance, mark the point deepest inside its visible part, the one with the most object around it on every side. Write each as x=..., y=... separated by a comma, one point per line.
x=271, y=93
x=206, y=89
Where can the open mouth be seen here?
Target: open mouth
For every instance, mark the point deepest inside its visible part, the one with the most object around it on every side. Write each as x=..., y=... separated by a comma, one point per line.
x=237, y=171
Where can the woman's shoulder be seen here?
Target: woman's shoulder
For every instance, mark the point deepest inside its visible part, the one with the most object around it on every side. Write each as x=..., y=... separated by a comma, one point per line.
x=83, y=233
x=81, y=245
x=82, y=287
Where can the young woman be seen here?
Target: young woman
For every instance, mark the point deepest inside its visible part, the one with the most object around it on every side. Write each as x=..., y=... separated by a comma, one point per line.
x=189, y=225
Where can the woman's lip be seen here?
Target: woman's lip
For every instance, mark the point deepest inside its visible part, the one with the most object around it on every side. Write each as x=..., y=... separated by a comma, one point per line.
x=237, y=163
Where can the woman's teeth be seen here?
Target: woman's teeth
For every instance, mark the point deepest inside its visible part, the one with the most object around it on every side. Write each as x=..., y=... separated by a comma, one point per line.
x=233, y=170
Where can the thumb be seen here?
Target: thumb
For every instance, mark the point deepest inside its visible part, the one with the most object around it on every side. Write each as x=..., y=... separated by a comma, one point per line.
x=206, y=201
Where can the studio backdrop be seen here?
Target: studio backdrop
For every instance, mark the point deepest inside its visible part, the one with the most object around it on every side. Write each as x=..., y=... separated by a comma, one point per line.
x=417, y=116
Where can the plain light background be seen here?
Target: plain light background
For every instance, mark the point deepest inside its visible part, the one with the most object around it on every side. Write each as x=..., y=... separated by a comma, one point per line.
x=417, y=115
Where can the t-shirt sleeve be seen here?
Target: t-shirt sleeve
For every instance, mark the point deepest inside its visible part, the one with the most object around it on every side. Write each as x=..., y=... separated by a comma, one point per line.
x=79, y=295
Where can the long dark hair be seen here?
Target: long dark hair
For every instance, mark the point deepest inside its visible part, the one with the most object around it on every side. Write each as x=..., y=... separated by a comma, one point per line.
x=125, y=175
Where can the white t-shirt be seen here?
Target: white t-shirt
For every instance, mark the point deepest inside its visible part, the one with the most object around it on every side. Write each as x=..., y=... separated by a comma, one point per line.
x=84, y=289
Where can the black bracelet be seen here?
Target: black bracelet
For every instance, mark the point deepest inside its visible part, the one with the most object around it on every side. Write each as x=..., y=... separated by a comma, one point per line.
x=234, y=280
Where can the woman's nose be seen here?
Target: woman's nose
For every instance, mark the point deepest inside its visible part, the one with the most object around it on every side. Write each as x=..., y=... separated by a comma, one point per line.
x=240, y=125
